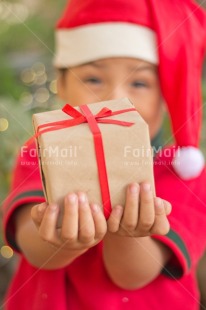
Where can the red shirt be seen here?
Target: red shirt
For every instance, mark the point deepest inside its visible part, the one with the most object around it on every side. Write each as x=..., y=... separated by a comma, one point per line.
x=84, y=284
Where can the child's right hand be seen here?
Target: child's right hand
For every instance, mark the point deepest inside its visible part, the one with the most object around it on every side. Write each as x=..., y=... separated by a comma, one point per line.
x=83, y=224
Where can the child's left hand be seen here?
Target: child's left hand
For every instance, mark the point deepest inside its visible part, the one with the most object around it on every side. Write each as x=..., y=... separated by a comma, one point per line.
x=143, y=214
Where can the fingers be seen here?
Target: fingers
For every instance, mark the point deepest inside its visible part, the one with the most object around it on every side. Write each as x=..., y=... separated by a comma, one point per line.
x=147, y=212
x=82, y=225
x=69, y=230
x=113, y=223
x=99, y=222
x=86, y=224
x=153, y=212
x=138, y=214
x=142, y=215
x=161, y=225
x=167, y=206
x=47, y=228
x=37, y=213
x=130, y=216
x=126, y=219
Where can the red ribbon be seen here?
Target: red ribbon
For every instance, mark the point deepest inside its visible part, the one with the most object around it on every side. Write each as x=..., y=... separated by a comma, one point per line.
x=92, y=120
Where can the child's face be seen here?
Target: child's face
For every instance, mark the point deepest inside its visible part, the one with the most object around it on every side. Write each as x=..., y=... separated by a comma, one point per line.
x=115, y=78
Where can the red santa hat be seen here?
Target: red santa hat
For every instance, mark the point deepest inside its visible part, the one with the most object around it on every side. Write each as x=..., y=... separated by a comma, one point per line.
x=171, y=34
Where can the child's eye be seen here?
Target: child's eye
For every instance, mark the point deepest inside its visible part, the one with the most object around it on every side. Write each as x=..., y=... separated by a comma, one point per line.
x=138, y=84
x=93, y=80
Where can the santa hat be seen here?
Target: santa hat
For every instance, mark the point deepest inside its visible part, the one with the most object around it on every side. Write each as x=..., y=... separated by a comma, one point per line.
x=169, y=33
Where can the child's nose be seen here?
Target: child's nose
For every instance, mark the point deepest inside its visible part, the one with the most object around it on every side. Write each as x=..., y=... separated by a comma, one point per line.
x=117, y=92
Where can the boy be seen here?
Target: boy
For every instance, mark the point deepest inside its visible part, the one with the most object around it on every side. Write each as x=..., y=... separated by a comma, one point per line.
x=108, y=50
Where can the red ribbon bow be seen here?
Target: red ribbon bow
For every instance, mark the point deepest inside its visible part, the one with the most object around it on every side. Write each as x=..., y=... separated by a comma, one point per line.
x=92, y=120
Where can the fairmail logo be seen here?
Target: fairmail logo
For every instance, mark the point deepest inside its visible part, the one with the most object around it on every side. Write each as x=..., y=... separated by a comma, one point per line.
x=141, y=155
x=52, y=152
x=139, y=152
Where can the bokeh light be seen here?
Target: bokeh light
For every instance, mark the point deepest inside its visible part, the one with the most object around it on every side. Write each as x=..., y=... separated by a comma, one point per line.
x=26, y=98
x=41, y=79
x=6, y=251
x=42, y=95
x=53, y=86
x=4, y=124
x=39, y=88
x=39, y=68
x=28, y=76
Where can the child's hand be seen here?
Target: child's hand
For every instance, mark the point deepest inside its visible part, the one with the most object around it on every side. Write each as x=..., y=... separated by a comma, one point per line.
x=143, y=214
x=83, y=224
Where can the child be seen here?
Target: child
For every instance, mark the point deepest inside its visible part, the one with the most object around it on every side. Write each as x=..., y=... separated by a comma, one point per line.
x=136, y=259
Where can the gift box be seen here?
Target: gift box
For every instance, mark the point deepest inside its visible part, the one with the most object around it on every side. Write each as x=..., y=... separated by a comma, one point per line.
x=97, y=148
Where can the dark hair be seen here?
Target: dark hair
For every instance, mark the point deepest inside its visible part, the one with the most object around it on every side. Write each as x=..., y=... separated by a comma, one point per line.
x=62, y=71
x=62, y=74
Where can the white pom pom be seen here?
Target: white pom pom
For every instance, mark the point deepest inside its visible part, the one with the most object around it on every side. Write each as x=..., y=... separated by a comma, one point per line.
x=188, y=162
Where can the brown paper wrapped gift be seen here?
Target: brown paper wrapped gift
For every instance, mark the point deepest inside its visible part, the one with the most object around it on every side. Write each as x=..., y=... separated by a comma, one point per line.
x=68, y=161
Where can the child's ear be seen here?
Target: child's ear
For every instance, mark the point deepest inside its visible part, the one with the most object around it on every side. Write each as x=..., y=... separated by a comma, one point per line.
x=61, y=90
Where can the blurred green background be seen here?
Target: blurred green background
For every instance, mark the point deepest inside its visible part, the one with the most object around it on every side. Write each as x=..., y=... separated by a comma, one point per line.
x=28, y=85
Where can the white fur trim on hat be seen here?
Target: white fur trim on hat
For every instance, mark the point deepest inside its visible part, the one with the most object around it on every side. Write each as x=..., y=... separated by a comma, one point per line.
x=188, y=162
x=76, y=46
